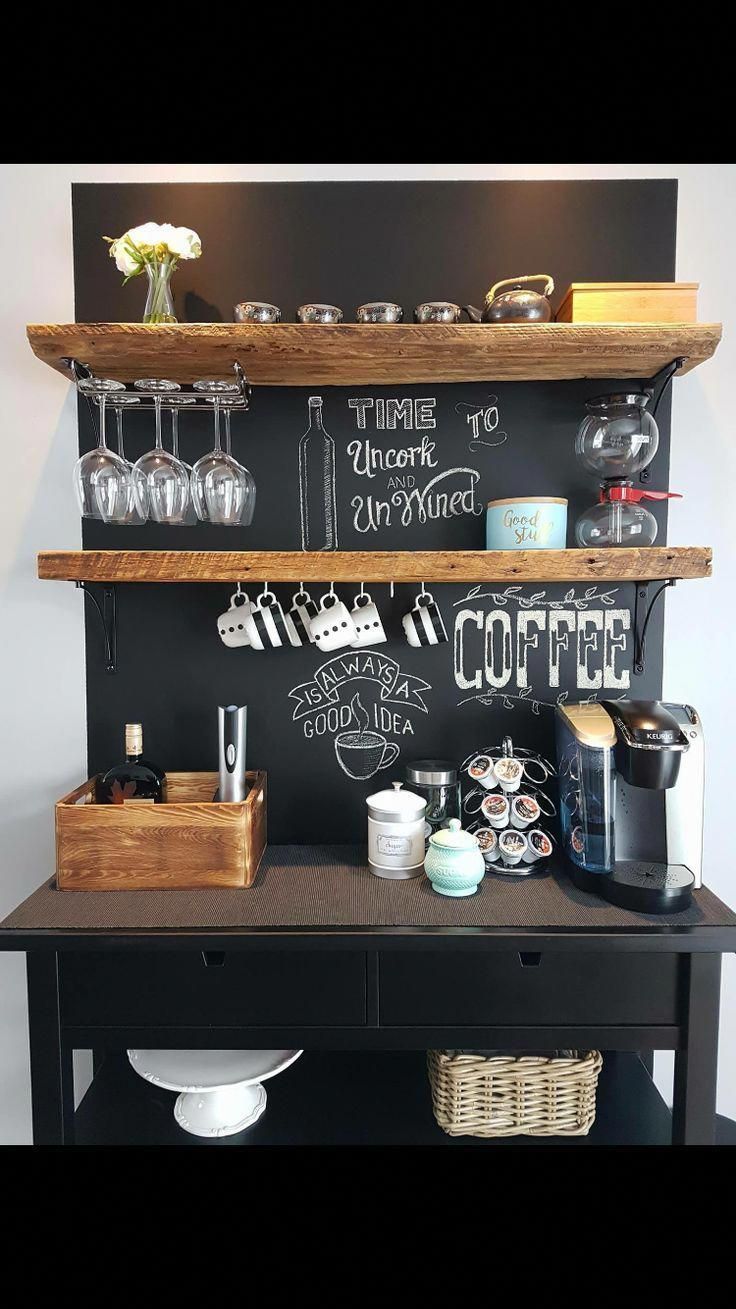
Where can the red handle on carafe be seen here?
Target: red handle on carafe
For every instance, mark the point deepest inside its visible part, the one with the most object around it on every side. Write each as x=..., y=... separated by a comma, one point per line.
x=633, y=493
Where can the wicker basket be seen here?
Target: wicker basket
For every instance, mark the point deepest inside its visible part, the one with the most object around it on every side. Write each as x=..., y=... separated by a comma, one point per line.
x=504, y=1095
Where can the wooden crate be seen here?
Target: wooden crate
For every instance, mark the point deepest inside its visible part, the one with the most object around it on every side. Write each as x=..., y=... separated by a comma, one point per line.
x=630, y=302
x=186, y=843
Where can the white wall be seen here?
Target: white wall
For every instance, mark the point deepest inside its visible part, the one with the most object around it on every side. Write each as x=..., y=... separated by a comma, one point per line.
x=41, y=649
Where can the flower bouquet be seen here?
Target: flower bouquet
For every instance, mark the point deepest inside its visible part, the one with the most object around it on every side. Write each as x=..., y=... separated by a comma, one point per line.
x=157, y=248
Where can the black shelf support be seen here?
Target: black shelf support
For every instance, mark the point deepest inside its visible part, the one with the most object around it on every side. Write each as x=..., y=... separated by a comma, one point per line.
x=662, y=380
x=643, y=607
x=108, y=612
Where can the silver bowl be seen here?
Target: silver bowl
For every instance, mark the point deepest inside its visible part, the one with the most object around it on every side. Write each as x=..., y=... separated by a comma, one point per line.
x=315, y=313
x=437, y=311
x=379, y=311
x=257, y=311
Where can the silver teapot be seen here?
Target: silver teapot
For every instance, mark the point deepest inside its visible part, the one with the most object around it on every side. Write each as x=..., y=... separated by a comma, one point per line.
x=516, y=305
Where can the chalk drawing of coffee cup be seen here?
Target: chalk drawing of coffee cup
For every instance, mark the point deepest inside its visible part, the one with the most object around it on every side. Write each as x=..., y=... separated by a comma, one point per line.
x=361, y=754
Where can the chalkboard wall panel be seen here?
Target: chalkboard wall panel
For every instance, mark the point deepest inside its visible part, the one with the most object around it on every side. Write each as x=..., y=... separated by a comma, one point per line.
x=346, y=242
x=511, y=655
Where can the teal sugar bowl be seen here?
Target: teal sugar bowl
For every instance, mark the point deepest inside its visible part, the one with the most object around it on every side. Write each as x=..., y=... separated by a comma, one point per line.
x=454, y=863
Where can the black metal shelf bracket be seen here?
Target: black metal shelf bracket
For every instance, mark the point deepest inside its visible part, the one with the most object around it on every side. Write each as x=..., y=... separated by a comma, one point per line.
x=660, y=380
x=108, y=612
x=663, y=379
x=643, y=607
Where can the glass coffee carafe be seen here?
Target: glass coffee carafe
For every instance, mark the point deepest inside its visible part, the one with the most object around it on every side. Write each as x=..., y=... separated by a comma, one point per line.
x=618, y=437
x=618, y=518
x=616, y=440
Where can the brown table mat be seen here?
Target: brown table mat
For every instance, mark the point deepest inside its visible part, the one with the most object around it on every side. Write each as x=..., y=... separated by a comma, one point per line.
x=331, y=886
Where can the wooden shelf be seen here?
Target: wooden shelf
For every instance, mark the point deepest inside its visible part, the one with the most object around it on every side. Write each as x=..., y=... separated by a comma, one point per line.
x=646, y=564
x=309, y=354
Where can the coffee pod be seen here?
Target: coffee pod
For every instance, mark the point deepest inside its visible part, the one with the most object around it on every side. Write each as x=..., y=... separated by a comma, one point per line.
x=540, y=846
x=524, y=811
x=513, y=846
x=577, y=841
x=423, y=624
x=488, y=842
x=495, y=810
x=509, y=772
x=332, y=627
x=231, y=625
x=367, y=621
x=481, y=771
x=265, y=623
x=298, y=619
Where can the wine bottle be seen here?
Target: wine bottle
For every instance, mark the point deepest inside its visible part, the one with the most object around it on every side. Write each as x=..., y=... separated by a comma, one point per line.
x=137, y=780
x=317, y=500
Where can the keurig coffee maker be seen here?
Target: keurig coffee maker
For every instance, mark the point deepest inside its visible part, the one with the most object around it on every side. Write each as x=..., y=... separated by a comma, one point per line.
x=631, y=776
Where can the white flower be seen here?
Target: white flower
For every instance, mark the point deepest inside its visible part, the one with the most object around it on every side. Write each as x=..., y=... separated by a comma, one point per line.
x=149, y=242
x=183, y=242
x=145, y=238
x=126, y=260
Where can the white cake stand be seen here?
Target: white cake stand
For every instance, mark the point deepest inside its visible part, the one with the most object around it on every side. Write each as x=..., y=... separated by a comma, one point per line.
x=221, y=1091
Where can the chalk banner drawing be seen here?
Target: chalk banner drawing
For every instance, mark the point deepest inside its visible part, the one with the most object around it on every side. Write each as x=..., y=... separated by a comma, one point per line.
x=329, y=704
x=496, y=633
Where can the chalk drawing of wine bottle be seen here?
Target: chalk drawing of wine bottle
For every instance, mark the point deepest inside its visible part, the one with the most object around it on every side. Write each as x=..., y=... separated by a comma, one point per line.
x=317, y=502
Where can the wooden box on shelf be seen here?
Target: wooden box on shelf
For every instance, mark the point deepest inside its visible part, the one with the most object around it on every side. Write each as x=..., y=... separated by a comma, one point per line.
x=630, y=302
x=187, y=843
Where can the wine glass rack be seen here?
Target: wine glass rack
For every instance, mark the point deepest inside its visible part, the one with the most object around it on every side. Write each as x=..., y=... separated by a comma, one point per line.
x=202, y=399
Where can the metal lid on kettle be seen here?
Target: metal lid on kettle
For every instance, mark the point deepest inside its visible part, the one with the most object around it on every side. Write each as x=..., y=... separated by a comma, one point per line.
x=431, y=772
x=396, y=806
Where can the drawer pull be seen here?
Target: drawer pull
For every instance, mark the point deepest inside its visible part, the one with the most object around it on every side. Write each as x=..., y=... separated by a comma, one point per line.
x=530, y=958
x=213, y=958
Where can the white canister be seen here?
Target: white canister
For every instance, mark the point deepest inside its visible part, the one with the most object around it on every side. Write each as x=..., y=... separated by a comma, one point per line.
x=396, y=833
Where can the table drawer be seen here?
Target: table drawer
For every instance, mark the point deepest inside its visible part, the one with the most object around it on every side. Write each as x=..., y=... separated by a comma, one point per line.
x=253, y=988
x=485, y=988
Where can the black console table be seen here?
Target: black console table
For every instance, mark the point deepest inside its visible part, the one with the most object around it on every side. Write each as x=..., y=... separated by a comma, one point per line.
x=321, y=955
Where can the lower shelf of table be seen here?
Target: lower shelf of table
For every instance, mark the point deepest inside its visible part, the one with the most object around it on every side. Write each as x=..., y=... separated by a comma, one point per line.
x=357, y=1098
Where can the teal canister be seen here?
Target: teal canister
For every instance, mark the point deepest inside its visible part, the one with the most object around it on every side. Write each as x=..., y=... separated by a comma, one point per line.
x=527, y=522
x=454, y=863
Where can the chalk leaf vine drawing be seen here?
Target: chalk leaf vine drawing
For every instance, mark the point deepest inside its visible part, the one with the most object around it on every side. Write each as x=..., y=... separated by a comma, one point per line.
x=506, y=701
x=513, y=593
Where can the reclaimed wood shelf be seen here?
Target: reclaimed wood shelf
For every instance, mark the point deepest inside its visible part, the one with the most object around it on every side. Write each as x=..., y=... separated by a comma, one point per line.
x=643, y=564
x=313, y=354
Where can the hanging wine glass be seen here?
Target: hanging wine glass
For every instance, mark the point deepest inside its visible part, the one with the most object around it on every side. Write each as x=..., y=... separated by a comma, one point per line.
x=160, y=480
x=219, y=482
x=102, y=480
x=174, y=403
x=120, y=401
x=229, y=403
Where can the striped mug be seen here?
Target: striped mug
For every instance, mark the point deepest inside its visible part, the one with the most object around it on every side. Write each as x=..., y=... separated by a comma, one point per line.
x=298, y=618
x=423, y=624
x=265, y=624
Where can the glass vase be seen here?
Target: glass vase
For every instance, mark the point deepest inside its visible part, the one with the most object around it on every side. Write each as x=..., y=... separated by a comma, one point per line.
x=159, y=303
